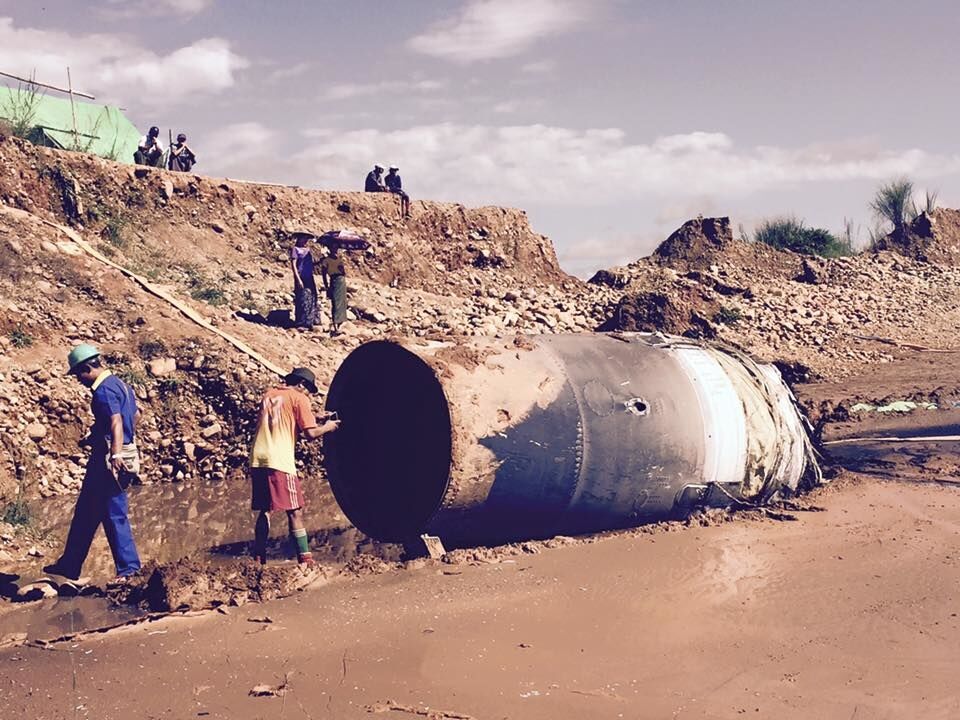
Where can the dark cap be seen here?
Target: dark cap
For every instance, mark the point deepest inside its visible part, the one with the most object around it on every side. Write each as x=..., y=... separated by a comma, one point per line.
x=302, y=376
x=154, y=130
x=181, y=137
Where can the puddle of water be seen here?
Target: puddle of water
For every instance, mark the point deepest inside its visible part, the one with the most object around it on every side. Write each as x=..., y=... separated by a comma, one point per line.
x=175, y=520
x=55, y=617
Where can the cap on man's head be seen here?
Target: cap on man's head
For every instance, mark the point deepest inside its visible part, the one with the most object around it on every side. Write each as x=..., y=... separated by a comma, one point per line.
x=394, y=167
x=79, y=355
x=302, y=376
x=378, y=166
x=154, y=130
x=181, y=138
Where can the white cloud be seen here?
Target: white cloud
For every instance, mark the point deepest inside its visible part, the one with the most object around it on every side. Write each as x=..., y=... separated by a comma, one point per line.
x=286, y=73
x=543, y=166
x=118, y=69
x=154, y=8
x=346, y=91
x=490, y=29
x=246, y=146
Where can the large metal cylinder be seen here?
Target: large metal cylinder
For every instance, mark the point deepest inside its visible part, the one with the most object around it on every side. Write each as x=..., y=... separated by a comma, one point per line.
x=490, y=440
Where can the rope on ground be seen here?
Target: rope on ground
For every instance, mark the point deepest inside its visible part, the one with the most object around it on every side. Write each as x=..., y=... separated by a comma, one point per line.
x=155, y=290
x=906, y=346
x=895, y=439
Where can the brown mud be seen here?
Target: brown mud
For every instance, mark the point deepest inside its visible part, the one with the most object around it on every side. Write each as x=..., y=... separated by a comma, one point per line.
x=712, y=620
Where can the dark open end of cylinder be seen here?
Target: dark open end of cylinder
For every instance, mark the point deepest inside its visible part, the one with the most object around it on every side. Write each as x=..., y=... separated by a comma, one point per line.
x=389, y=463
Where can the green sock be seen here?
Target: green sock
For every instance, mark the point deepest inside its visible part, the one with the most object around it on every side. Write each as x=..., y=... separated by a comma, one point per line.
x=300, y=535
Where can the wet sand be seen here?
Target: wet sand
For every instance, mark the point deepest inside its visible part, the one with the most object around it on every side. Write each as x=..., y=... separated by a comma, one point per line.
x=848, y=613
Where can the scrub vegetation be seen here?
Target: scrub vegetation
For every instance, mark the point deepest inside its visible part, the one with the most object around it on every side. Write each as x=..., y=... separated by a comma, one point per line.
x=790, y=233
x=894, y=208
x=20, y=338
x=16, y=513
x=20, y=109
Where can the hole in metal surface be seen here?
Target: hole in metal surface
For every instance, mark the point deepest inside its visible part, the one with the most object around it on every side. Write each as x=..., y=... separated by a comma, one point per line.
x=637, y=406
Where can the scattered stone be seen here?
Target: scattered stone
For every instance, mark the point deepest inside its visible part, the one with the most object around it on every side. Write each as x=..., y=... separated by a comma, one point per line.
x=158, y=367
x=36, y=431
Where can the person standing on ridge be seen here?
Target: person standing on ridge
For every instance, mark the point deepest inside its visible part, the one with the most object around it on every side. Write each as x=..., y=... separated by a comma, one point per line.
x=374, y=182
x=114, y=461
x=284, y=412
x=395, y=185
x=305, y=310
x=182, y=158
x=150, y=149
x=335, y=283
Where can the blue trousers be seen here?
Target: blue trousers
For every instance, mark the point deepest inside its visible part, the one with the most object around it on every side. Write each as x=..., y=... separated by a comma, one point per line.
x=101, y=502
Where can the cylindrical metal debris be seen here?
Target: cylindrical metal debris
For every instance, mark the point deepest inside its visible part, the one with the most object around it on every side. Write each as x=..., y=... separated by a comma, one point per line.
x=489, y=440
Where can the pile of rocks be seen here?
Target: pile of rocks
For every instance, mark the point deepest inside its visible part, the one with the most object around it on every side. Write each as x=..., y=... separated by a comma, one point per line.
x=820, y=312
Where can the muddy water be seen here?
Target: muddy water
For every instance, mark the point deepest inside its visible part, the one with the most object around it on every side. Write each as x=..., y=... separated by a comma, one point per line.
x=56, y=617
x=206, y=520
x=213, y=519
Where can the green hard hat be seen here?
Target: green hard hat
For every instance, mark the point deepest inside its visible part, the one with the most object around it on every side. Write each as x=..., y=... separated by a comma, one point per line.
x=80, y=354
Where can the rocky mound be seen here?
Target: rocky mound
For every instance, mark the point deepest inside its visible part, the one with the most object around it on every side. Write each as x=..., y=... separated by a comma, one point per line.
x=690, y=313
x=931, y=237
x=825, y=314
x=696, y=243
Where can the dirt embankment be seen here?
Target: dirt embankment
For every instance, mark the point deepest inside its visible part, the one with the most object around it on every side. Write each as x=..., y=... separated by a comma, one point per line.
x=237, y=222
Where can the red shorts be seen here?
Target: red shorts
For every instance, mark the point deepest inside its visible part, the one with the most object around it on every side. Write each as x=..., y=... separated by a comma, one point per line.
x=275, y=490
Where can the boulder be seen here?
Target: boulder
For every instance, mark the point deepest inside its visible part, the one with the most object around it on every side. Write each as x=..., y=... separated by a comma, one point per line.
x=36, y=431
x=158, y=367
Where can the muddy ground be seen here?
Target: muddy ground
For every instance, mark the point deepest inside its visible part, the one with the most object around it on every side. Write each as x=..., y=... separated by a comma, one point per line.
x=845, y=613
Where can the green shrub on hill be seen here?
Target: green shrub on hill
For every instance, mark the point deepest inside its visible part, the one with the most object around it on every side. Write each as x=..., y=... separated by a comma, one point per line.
x=789, y=233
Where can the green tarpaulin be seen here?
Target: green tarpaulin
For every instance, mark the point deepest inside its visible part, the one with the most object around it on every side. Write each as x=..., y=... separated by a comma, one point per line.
x=101, y=129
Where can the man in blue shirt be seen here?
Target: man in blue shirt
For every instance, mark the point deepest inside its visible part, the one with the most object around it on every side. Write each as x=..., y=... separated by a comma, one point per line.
x=113, y=462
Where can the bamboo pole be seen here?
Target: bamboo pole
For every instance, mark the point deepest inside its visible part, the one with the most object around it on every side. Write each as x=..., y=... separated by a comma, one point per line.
x=81, y=134
x=49, y=87
x=73, y=111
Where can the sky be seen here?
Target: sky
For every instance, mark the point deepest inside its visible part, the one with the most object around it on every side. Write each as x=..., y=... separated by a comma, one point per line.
x=610, y=122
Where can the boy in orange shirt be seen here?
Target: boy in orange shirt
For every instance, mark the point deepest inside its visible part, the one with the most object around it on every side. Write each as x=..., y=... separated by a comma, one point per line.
x=275, y=485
